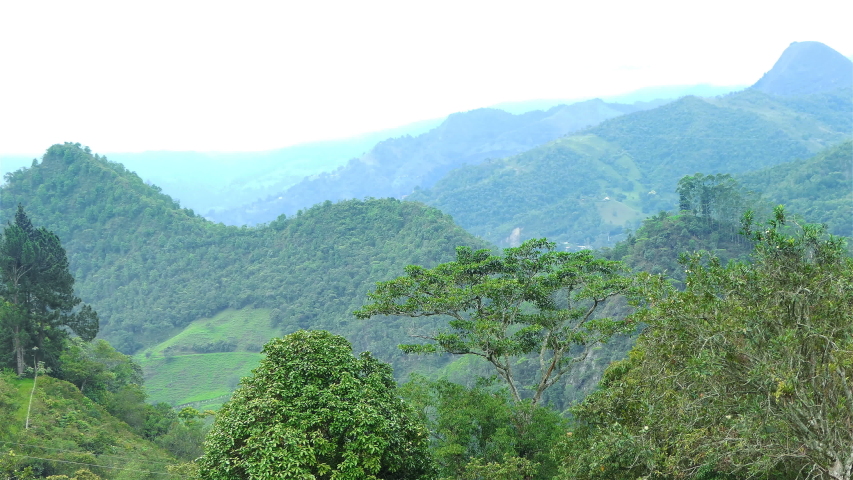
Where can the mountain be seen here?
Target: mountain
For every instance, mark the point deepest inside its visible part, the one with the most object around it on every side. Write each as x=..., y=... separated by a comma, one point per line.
x=589, y=187
x=214, y=181
x=650, y=96
x=805, y=68
x=150, y=268
x=820, y=188
x=586, y=189
x=394, y=167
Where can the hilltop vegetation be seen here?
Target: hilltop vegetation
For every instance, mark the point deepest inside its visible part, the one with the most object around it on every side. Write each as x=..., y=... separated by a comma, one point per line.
x=152, y=267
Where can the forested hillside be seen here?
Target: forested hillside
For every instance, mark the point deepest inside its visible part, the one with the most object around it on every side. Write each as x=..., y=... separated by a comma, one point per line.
x=735, y=134
x=819, y=189
x=150, y=267
x=394, y=167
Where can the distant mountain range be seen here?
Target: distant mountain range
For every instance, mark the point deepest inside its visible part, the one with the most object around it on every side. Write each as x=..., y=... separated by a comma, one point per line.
x=587, y=188
x=395, y=167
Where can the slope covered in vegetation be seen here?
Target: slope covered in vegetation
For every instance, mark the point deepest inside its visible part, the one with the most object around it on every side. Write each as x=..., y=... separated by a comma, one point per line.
x=69, y=432
x=150, y=267
x=818, y=188
x=735, y=134
x=396, y=166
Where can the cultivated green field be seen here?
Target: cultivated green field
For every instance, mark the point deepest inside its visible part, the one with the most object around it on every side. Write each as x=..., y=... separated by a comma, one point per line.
x=204, y=363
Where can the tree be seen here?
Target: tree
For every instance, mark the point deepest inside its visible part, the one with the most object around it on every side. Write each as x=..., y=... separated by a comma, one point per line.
x=747, y=371
x=313, y=410
x=38, y=290
x=482, y=428
x=532, y=299
x=96, y=368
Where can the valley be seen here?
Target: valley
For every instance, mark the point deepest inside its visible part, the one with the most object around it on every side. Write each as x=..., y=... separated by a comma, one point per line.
x=188, y=299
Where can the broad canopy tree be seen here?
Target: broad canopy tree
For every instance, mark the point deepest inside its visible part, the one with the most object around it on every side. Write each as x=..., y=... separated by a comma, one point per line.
x=313, y=410
x=530, y=300
x=37, y=291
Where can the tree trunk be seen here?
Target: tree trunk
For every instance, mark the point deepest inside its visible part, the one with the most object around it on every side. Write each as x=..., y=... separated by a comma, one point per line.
x=19, y=350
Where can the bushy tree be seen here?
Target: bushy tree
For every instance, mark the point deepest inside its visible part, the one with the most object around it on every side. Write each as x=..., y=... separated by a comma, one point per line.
x=480, y=429
x=747, y=371
x=313, y=410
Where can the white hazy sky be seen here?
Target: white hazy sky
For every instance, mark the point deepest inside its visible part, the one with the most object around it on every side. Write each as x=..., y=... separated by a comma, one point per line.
x=125, y=76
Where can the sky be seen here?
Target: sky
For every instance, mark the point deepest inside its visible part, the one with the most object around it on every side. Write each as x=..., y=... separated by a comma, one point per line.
x=249, y=76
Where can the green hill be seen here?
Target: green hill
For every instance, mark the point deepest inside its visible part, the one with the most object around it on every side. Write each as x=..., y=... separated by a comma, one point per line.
x=68, y=432
x=820, y=188
x=150, y=268
x=635, y=162
x=396, y=166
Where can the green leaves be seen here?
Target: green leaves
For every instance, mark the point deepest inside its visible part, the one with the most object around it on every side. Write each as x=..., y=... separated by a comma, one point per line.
x=312, y=410
x=34, y=277
x=746, y=371
x=531, y=300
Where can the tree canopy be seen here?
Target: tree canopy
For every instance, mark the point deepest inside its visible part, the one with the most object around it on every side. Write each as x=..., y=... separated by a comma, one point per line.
x=38, y=294
x=746, y=371
x=313, y=410
x=531, y=300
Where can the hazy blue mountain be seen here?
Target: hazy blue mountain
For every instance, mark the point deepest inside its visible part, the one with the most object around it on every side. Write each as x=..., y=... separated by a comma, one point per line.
x=394, y=167
x=807, y=67
x=206, y=181
x=651, y=96
x=585, y=189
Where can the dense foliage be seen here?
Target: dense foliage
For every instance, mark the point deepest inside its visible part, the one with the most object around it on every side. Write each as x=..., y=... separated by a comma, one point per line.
x=819, y=188
x=151, y=267
x=37, y=302
x=745, y=372
x=313, y=410
x=481, y=432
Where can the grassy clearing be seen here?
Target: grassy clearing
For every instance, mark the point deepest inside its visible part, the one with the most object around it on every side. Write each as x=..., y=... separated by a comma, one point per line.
x=23, y=387
x=197, y=378
x=617, y=213
x=244, y=330
x=204, y=363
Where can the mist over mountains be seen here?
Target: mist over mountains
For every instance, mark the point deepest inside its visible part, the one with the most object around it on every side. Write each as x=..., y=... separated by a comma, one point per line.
x=395, y=167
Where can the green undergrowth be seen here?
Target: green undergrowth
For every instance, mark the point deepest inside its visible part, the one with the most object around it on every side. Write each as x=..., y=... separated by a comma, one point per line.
x=67, y=430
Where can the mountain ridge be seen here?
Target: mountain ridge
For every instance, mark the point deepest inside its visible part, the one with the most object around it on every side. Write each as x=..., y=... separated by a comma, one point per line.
x=805, y=68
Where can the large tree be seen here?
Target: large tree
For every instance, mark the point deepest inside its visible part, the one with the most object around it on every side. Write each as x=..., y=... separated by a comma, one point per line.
x=746, y=371
x=313, y=410
x=532, y=299
x=38, y=294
